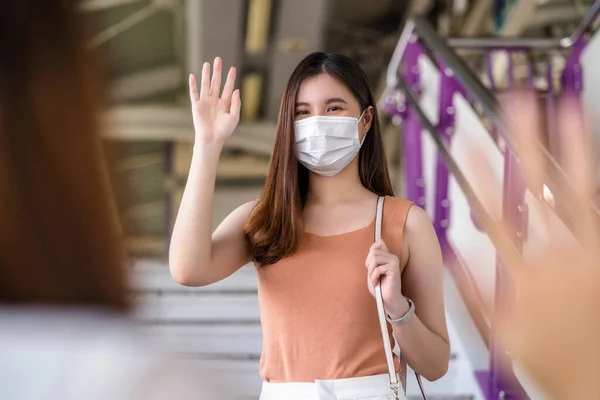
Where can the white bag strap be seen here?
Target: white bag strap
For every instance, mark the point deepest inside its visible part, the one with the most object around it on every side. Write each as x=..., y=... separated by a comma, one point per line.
x=395, y=383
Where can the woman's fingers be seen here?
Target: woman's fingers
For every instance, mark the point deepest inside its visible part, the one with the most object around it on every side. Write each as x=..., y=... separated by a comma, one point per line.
x=380, y=244
x=380, y=264
x=215, y=85
x=379, y=256
x=194, y=95
x=526, y=129
x=229, y=86
x=378, y=272
x=578, y=162
x=205, y=82
x=236, y=104
x=370, y=272
x=230, y=101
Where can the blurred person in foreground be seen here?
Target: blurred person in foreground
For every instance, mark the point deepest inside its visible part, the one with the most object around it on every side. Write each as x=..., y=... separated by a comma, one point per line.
x=64, y=331
x=554, y=331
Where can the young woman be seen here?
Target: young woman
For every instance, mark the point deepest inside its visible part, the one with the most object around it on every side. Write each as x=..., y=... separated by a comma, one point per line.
x=310, y=236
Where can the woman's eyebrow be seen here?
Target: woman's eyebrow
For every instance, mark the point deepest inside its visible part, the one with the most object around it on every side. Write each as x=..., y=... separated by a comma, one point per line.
x=336, y=100
x=328, y=101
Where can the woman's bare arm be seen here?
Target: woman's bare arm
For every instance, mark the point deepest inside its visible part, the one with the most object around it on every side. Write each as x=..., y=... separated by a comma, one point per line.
x=197, y=256
x=424, y=339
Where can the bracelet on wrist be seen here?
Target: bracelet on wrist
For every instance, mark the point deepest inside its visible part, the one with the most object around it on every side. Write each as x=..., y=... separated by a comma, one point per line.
x=406, y=317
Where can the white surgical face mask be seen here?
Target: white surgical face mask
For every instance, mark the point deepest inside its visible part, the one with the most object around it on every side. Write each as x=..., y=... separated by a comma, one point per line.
x=326, y=145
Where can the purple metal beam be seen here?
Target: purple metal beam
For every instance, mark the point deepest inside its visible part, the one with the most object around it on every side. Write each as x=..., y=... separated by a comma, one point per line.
x=412, y=131
x=413, y=159
x=445, y=128
x=571, y=81
x=572, y=76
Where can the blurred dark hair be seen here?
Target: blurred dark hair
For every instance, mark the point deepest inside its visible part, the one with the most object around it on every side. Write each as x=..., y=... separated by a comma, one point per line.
x=60, y=236
x=275, y=227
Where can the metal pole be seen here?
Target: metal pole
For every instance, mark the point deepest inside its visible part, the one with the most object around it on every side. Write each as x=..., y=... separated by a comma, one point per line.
x=412, y=132
x=445, y=130
x=504, y=43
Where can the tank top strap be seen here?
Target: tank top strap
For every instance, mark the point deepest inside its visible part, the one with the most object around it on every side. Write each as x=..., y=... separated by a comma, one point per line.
x=395, y=213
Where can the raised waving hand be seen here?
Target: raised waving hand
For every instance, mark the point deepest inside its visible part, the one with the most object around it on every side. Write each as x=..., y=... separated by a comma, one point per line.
x=197, y=256
x=554, y=328
x=215, y=113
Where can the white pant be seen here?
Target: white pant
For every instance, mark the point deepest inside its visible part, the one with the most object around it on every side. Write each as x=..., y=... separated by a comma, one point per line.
x=363, y=388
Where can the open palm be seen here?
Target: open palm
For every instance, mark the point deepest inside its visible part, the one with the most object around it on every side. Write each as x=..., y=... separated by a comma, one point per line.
x=215, y=114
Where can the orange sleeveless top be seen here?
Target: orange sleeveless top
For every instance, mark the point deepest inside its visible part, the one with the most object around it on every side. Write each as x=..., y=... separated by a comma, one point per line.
x=318, y=317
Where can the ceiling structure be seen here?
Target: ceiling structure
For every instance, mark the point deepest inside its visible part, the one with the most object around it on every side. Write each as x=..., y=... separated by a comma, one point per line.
x=152, y=45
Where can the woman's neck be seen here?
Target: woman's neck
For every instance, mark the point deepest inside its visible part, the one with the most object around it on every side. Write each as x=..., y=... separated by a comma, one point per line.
x=343, y=187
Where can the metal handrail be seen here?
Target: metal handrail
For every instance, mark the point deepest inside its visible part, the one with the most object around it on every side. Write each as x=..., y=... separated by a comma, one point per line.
x=486, y=43
x=531, y=43
x=483, y=217
x=417, y=28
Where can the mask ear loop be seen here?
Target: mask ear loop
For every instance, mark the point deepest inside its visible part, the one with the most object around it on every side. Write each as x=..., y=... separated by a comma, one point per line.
x=357, y=122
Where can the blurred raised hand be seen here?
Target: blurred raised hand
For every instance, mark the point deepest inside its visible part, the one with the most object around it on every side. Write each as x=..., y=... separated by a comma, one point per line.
x=215, y=113
x=554, y=329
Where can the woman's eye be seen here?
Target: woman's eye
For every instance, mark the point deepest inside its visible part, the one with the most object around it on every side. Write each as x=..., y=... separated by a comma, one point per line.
x=301, y=112
x=334, y=108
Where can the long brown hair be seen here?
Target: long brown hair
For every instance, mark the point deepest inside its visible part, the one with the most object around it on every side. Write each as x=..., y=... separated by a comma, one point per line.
x=275, y=227
x=60, y=239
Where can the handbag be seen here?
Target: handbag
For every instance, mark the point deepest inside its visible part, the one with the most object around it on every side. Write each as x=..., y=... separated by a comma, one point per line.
x=396, y=383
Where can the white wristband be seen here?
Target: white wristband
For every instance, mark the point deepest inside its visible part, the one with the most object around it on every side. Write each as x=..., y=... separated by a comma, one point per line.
x=406, y=317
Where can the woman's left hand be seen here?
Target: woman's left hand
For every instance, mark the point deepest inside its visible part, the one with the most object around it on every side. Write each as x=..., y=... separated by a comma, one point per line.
x=382, y=264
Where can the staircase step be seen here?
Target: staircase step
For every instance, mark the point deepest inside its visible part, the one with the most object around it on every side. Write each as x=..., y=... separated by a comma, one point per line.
x=242, y=341
x=197, y=308
x=154, y=277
